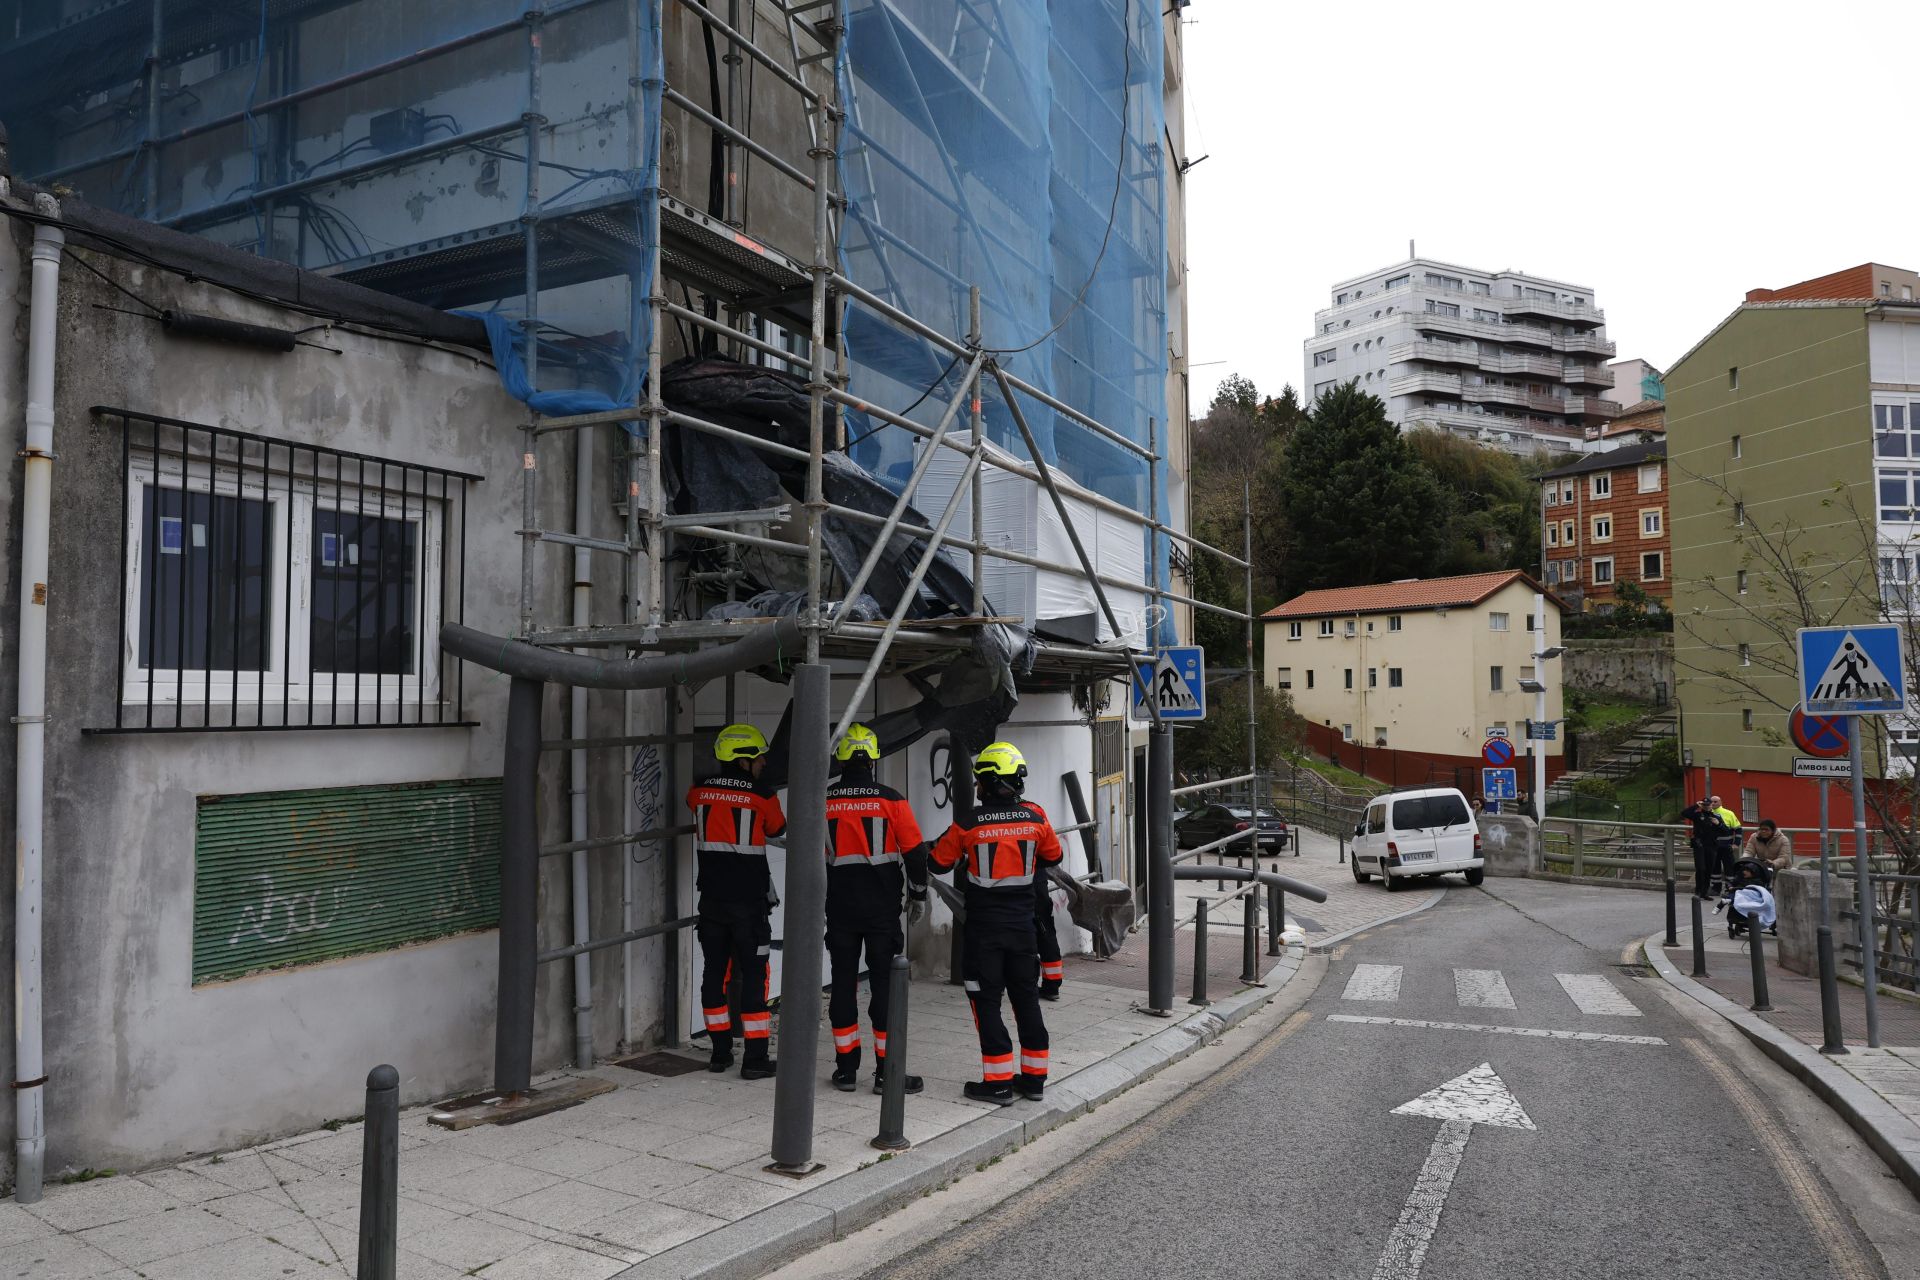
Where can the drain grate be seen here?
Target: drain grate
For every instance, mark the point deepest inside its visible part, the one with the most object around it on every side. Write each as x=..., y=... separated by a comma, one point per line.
x=661, y=1064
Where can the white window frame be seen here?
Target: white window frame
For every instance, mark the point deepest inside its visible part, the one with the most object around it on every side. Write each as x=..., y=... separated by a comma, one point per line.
x=1294, y=629
x=1661, y=576
x=1602, y=527
x=1326, y=626
x=1600, y=485
x=1393, y=622
x=1599, y=581
x=1653, y=522
x=289, y=674
x=1553, y=533
x=1569, y=533
x=1283, y=677
x=1497, y=679
x=1649, y=477
x=1497, y=621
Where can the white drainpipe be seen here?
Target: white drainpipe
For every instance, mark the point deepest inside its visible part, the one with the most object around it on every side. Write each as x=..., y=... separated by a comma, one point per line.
x=577, y=758
x=30, y=720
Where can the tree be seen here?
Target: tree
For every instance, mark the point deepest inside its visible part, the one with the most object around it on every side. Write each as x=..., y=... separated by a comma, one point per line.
x=1496, y=511
x=1358, y=501
x=1217, y=746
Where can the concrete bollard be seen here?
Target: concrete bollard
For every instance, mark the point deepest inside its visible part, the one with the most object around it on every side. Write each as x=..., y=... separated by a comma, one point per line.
x=380, y=1176
x=893, y=1071
x=1699, y=943
x=1199, y=953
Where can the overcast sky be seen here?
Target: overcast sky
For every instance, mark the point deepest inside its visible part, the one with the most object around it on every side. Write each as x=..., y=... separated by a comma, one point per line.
x=1669, y=155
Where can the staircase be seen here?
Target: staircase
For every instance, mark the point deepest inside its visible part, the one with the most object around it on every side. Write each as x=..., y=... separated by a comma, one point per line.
x=1624, y=759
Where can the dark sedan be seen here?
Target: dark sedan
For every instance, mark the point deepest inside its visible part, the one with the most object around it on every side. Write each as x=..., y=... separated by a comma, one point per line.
x=1215, y=821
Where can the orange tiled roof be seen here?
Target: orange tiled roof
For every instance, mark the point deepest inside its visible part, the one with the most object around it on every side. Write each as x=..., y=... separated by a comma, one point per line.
x=1391, y=597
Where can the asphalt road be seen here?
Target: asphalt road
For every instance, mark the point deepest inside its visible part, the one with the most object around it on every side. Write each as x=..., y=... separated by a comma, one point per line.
x=1669, y=1159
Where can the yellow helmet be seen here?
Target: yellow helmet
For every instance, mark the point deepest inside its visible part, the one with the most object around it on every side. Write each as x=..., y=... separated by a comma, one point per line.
x=1001, y=760
x=859, y=740
x=739, y=742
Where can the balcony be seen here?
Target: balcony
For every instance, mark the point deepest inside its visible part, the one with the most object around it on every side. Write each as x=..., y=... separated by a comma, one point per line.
x=1593, y=407
x=1425, y=383
x=1485, y=394
x=1518, y=435
x=1591, y=344
x=1554, y=309
x=1540, y=366
x=1461, y=353
x=1466, y=326
x=1581, y=375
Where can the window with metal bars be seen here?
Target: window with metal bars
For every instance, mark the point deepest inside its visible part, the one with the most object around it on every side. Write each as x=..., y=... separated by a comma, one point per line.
x=269, y=584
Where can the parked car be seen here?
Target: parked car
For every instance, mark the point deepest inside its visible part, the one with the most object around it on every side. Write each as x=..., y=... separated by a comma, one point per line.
x=1417, y=833
x=1212, y=822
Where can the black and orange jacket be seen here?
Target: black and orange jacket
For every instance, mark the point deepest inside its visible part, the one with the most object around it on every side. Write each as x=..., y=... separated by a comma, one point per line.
x=873, y=846
x=999, y=857
x=733, y=820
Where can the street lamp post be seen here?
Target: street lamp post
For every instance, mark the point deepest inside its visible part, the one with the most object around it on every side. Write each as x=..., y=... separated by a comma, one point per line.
x=1537, y=746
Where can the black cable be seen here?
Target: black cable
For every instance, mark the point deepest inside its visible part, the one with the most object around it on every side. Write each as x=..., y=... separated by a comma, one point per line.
x=848, y=447
x=717, y=145
x=84, y=265
x=1113, y=205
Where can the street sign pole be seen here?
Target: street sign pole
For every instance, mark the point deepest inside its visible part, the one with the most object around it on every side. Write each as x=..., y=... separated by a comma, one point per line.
x=1868, y=961
x=1826, y=861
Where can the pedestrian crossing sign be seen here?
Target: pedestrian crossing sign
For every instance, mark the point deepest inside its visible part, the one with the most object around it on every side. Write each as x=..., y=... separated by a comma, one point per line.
x=1175, y=680
x=1855, y=671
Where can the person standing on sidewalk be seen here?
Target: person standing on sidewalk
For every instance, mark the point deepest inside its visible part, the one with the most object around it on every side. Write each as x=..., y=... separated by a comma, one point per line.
x=1729, y=842
x=999, y=854
x=733, y=820
x=1703, y=819
x=1771, y=845
x=874, y=849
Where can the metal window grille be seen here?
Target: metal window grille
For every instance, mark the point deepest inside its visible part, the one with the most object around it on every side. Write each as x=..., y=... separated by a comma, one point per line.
x=268, y=584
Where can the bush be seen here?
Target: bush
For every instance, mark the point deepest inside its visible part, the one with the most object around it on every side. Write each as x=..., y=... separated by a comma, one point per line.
x=1596, y=788
x=1663, y=761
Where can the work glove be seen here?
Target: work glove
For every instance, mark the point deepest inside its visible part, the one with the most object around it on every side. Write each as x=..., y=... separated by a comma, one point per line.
x=917, y=907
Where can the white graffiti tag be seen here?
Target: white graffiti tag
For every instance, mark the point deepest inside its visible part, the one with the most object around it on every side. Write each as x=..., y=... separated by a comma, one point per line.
x=277, y=916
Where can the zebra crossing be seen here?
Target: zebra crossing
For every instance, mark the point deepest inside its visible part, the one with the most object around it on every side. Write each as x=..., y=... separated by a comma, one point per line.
x=1589, y=993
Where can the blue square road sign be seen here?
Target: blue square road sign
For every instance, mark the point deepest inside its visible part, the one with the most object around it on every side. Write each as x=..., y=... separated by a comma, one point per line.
x=1176, y=680
x=1856, y=671
x=1497, y=784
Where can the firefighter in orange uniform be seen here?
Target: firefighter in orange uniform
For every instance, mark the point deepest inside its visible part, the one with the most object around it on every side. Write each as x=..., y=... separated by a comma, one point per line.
x=999, y=856
x=734, y=819
x=874, y=849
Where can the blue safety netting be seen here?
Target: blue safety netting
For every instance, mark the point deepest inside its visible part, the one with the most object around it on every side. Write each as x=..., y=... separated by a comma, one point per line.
x=1013, y=145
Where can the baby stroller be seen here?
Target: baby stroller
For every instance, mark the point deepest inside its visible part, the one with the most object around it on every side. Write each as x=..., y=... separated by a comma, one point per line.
x=1748, y=895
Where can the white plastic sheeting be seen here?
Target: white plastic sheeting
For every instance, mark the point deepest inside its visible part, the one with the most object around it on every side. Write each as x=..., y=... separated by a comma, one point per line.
x=1019, y=516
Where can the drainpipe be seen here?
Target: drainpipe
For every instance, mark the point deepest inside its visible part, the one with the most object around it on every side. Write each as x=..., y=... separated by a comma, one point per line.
x=30, y=720
x=577, y=758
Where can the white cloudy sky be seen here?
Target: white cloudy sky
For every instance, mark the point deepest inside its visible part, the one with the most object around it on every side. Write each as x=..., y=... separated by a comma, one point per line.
x=1671, y=155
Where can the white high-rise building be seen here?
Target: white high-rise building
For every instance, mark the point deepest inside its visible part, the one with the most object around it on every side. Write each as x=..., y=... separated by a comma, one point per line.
x=1515, y=361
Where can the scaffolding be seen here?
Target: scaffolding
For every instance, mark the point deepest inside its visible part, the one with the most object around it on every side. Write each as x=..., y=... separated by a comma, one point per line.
x=921, y=272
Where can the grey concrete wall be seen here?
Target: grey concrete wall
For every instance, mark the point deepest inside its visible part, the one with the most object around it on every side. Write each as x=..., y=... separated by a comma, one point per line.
x=146, y=1067
x=1510, y=843
x=1630, y=667
x=1796, y=897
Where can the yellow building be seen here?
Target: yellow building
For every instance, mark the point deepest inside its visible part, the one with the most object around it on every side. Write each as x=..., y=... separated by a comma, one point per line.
x=1424, y=668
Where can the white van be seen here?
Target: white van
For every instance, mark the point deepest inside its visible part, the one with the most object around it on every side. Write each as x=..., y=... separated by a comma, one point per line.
x=1417, y=833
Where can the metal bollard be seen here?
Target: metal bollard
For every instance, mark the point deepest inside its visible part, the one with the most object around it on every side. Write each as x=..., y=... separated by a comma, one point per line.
x=1673, y=922
x=1699, y=943
x=1343, y=847
x=893, y=1071
x=1199, y=954
x=1756, y=948
x=1250, y=940
x=1276, y=917
x=1832, y=1042
x=380, y=1176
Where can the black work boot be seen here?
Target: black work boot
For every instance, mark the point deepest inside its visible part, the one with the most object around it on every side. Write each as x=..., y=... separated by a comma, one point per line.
x=760, y=1068
x=846, y=1071
x=1050, y=990
x=998, y=1092
x=722, y=1056
x=914, y=1083
x=1032, y=1088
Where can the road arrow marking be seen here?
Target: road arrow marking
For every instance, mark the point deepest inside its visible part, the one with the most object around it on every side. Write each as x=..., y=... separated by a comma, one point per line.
x=1478, y=1097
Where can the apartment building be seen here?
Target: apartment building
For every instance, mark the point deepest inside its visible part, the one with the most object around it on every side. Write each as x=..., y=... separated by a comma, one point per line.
x=1603, y=521
x=1796, y=421
x=1404, y=680
x=1511, y=360
x=1635, y=380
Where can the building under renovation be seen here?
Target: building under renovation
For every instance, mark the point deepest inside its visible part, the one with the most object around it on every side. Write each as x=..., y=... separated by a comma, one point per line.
x=348, y=341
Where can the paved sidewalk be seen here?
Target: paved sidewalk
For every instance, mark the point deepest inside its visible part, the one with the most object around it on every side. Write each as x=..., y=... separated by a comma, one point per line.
x=661, y=1163
x=1876, y=1090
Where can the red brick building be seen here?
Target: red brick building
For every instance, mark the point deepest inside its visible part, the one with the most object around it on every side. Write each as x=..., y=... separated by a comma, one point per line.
x=1603, y=521
x=1868, y=280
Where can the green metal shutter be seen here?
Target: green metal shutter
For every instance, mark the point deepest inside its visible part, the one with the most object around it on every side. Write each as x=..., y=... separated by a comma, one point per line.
x=286, y=878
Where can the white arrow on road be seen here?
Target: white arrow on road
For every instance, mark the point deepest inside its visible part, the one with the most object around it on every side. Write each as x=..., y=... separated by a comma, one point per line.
x=1478, y=1097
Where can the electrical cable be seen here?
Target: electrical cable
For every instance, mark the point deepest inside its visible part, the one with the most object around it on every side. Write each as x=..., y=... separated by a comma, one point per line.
x=848, y=447
x=1113, y=205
